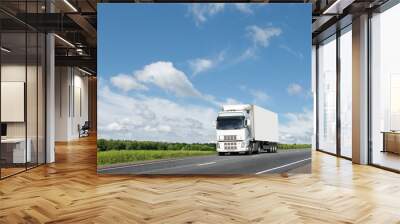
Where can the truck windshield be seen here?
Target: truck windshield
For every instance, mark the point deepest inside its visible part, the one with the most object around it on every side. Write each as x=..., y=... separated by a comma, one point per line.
x=227, y=123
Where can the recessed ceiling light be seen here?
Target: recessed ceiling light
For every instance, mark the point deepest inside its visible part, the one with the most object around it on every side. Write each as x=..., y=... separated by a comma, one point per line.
x=84, y=71
x=64, y=40
x=338, y=6
x=5, y=50
x=70, y=5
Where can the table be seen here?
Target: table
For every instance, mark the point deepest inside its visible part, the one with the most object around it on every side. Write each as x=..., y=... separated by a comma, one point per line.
x=391, y=142
x=13, y=150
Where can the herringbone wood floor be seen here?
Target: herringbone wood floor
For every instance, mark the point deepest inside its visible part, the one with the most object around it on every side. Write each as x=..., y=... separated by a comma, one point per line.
x=70, y=191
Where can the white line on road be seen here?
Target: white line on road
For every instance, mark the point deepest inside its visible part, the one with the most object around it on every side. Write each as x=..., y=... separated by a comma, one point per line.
x=289, y=164
x=203, y=164
x=140, y=164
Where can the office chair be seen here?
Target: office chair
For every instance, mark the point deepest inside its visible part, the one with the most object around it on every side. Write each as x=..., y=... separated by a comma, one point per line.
x=84, y=130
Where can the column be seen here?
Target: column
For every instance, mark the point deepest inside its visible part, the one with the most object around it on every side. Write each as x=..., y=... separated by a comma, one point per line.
x=360, y=90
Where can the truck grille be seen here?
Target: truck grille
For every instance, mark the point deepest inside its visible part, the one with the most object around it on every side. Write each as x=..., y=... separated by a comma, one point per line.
x=230, y=145
x=230, y=137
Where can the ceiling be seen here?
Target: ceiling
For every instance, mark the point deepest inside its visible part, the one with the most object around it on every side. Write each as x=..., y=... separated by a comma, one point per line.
x=75, y=22
x=331, y=15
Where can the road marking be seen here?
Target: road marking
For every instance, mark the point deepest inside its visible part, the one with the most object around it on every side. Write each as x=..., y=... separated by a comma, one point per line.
x=141, y=164
x=155, y=162
x=203, y=164
x=171, y=168
x=275, y=168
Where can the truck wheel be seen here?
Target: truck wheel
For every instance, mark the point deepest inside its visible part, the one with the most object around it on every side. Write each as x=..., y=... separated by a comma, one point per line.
x=255, y=149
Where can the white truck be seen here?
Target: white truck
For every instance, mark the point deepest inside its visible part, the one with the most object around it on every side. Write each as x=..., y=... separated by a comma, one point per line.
x=246, y=129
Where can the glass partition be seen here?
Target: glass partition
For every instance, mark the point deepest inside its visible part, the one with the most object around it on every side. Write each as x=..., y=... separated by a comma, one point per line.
x=23, y=91
x=327, y=95
x=14, y=154
x=385, y=89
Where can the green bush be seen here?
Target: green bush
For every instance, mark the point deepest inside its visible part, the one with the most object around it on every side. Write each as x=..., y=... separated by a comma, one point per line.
x=101, y=145
x=294, y=146
x=107, y=145
x=124, y=156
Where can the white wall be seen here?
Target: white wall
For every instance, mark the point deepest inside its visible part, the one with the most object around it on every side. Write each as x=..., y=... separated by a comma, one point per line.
x=70, y=83
x=62, y=81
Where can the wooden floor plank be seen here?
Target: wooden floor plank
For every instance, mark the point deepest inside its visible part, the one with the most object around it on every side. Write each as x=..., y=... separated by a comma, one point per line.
x=70, y=191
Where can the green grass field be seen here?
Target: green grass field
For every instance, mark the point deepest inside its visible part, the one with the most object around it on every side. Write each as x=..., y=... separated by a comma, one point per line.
x=294, y=146
x=111, y=145
x=124, y=151
x=124, y=156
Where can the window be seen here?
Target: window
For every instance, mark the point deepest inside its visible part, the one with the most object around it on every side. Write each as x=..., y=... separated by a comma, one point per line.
x=385, y=88
x=327, y=95
x=346, y=92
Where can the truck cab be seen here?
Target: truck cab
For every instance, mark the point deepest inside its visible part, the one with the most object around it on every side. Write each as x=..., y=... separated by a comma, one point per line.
x=233, y=134
x=237, y=132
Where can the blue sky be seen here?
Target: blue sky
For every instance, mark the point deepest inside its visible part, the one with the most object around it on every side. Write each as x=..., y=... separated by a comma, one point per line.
x=165, y=69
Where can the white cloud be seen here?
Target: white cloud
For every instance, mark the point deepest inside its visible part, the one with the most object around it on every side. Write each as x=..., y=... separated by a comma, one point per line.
x=200, y=65
x=202, y=11
x=244, y=8
x=250, y=52
x=294, y=89
x=291, y=51
x=259, y=96
x=164, y=75
x=156, y=119
x=298, y=128
x=151, y=118
x=159, y=128
x=261, y=35
x=230, y=101
x=127, y=83
x=211, y=99
x=113, y=126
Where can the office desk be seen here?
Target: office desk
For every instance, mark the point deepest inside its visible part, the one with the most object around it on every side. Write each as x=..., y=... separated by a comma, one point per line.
x=13, y=150
x=391, y=142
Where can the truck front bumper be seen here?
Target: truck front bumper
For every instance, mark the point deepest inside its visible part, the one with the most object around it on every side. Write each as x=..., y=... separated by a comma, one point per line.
x=232, y=146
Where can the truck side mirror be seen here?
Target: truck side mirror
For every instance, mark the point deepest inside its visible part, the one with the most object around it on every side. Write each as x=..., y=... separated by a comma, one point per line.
x=248, y=123
x=214, y=124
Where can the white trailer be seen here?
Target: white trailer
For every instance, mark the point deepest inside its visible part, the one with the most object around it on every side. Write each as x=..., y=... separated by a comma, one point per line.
x=246, y=129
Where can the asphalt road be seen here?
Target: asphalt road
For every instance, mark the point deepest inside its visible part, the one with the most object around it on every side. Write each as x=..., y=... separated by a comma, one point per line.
x=263, y=163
